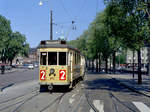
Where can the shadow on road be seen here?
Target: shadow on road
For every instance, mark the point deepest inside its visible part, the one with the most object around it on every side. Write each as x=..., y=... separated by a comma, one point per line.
x=103, y=83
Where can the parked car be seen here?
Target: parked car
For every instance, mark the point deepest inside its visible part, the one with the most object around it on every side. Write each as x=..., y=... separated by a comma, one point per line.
x=35, y=65
x=30, y=66
x=13, y=65
x=143, y=69
x=7, y=67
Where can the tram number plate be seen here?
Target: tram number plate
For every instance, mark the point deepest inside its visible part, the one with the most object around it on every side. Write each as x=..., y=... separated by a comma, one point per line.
x=42, y=74
x=62, y=74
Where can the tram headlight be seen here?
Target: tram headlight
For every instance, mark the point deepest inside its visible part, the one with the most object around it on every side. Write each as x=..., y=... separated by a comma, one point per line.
x=52, y=71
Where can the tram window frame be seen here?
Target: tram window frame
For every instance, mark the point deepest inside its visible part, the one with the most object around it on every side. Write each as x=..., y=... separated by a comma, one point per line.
x=54, y=56
x=75, y=58
x=69, y=60
x=41, y=58
x=78, y=58
x=61, y=61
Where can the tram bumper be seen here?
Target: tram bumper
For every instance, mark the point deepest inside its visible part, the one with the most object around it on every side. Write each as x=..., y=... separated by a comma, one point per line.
x=54, y=83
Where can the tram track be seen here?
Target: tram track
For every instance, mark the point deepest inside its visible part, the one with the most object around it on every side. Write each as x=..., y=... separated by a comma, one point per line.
x=58, y=100
x=90, y=103
x=55, y=101
x=116, y=99
x=15, y=104
x=24, y=101
x=7, y=104
x=112, y=96
x=11, y=99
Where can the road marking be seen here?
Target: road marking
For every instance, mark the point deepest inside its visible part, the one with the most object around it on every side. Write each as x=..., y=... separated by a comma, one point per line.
x=99, y=105
x=71, y=100
x=141, y=106
x=82, y=85
x=73, y=95
x=91, y=110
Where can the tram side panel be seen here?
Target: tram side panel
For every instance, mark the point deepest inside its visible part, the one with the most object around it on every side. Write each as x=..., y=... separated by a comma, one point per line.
x=82, y=66
x=76, y=66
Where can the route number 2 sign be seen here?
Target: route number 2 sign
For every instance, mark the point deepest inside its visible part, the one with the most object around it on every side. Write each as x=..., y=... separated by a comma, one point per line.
x=62, y=74
x=42, y=74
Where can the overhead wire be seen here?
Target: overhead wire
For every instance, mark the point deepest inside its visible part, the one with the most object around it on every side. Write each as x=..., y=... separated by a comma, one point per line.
x=73, y=26
x=63, y=6
x=78, y=14
x=80, y=9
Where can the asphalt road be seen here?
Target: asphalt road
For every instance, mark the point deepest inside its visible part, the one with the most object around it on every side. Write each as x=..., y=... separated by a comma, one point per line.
x=9, y=79
x=97, y=93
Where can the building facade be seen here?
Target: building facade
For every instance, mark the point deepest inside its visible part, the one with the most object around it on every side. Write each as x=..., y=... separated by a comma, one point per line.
x=144, y=57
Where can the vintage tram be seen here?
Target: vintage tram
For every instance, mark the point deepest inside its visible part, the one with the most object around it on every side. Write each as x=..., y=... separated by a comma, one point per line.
x=59, y=64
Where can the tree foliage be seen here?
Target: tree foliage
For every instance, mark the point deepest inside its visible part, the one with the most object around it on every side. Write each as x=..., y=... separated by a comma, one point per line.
x=123, y=24
x=11, y=43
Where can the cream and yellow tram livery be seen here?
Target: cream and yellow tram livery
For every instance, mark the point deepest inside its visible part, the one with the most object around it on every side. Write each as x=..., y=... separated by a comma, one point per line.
x=59, y=64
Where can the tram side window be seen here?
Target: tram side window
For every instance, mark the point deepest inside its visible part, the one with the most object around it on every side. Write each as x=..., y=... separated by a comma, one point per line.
x=52, y=58
x=62, y=58
x=43, y=58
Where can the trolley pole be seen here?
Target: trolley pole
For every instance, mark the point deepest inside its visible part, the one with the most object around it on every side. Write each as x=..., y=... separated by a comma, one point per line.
x=51, y=25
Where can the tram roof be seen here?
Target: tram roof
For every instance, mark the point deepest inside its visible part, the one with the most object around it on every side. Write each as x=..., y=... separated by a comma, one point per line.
x=56, y=44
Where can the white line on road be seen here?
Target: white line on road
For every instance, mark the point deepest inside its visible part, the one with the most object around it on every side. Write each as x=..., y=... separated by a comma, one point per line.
x=71, y=100
x=73, y=95
x=141, y=106
x=91, y=110
x=99, y=105
x=82, y=85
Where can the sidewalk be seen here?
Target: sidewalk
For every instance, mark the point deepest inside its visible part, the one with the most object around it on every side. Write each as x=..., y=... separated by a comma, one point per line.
x=128, y=81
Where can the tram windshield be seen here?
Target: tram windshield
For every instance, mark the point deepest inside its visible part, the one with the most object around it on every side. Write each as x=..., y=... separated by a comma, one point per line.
x=62, y=58
x=43, y=58
x=52, y=58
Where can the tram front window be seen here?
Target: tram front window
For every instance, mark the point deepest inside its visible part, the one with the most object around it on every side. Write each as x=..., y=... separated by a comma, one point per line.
x=62, y=58
x=52, y=58
x=43, y=58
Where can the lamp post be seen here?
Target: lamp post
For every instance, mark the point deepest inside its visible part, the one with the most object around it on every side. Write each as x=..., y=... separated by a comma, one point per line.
x=51, y=25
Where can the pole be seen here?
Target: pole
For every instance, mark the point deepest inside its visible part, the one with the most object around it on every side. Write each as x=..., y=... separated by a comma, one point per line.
x=139, y=67
x=133, y=64
x=51, y=25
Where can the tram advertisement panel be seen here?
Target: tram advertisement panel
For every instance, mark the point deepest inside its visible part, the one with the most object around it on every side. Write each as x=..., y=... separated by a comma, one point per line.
x=62, y=74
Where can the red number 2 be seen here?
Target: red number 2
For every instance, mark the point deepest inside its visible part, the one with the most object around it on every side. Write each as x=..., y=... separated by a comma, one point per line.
x=42, y=74
x=62, y=74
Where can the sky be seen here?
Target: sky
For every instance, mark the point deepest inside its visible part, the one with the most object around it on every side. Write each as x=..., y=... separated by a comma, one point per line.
x=33, y=20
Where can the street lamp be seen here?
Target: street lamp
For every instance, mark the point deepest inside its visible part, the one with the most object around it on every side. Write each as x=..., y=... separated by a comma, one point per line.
x=40, y=3
x=51, y=22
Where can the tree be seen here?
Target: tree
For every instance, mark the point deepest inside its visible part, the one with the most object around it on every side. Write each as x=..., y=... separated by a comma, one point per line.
x=16, y=45
x=113, y=22
x=11, y=44
x=135, y=27
x=5, y=32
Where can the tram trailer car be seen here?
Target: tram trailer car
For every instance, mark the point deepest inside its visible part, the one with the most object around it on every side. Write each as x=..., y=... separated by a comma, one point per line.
x=59, y=64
